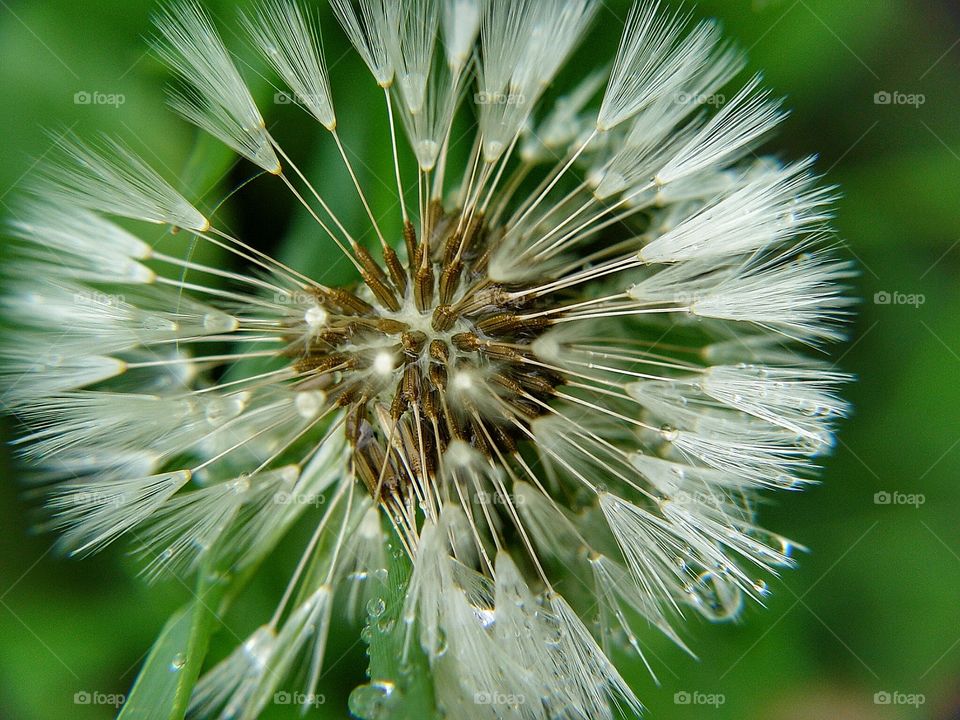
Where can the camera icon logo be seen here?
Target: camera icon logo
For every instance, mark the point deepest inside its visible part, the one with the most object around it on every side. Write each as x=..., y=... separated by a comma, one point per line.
x=883, y=98
x=882, y=698
x=82, y=698
x=882, y=498
x=682, y=698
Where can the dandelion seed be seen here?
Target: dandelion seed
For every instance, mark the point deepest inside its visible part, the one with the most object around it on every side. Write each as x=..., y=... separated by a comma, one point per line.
x=582, y=353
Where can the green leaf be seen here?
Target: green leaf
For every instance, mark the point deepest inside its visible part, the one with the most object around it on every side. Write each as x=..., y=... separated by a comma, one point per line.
x=401, y=686
x=162, y=689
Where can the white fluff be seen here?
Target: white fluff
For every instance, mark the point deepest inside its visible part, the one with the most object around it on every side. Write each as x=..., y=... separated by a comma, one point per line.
x=94, y=514
x=373, y=34
x=746, y=118
x=765, y=211
x=802, y=299
x=111, y=178
x=654, y=61
x=287, y=34
x=217, y=99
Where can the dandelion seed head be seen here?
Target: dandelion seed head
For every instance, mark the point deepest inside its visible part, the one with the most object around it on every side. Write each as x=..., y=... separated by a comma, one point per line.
x=582, y=350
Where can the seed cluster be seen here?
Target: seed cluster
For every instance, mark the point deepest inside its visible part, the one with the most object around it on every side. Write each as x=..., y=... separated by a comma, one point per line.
x=428, y=352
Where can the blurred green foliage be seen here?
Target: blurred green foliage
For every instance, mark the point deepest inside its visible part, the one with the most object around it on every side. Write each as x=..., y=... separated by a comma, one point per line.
x=873, y=608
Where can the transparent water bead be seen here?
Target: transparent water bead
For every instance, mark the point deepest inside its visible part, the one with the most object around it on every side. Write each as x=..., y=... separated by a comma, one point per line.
x=375, y=700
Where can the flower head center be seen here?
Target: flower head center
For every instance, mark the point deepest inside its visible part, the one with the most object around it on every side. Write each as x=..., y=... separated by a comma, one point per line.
x=427, y=352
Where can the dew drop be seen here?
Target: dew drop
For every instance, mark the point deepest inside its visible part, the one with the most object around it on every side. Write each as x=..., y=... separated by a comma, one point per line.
x=441, y=648
x=179, y=660
x=669, y=433
x=375, y=700
x=376, y=606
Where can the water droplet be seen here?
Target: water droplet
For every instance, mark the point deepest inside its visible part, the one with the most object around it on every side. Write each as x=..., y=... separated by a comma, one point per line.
x=716, y=596
x=178, y=662
x=441, y=649
x=310, y=403
x=669, y=433
x=375, y=700
x=220, y=410
x=376, y=606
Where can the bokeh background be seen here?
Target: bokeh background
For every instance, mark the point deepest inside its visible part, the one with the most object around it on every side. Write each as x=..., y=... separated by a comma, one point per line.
x=868, y=627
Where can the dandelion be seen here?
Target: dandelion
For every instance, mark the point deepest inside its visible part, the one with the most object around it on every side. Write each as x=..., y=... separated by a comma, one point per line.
x=581, y=353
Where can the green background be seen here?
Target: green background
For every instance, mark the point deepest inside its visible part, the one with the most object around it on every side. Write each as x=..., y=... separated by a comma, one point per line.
x=875, y=607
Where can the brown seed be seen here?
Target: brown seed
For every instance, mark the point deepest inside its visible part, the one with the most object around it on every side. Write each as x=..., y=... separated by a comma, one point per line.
x=538, y=385
x=349, y=303
x=410, y=239
x=444, y=318
x=450, y=281
x=439, y=351
x=506, y=442
x=397, y=274
x=467, y=342
x=504, y=323
x=326, y=363
x=391, y=327
x=381, y=290
x=474, y=231
x=400, y=402
x=499, y=351
x=411, y=383
x=423, y=286
x=368, y=263
x=413, y=341
x=438, y=376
